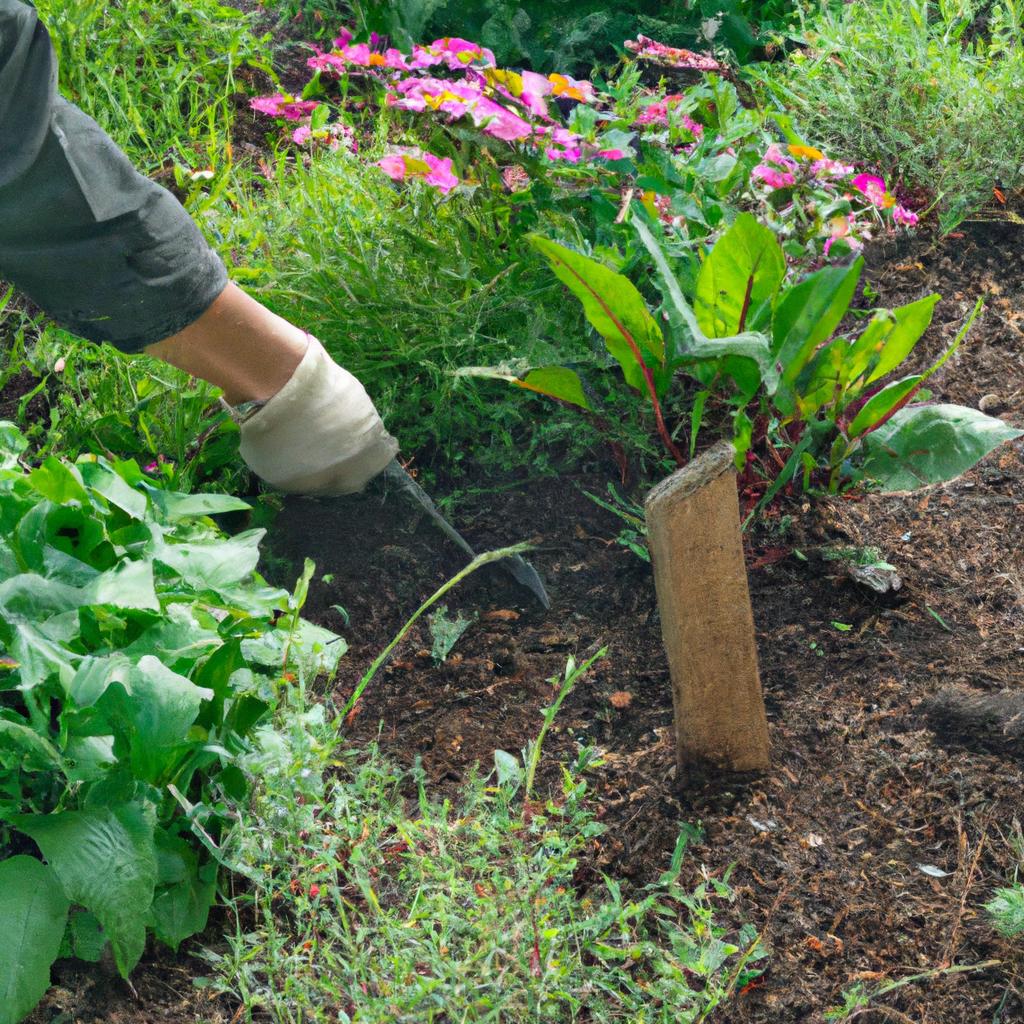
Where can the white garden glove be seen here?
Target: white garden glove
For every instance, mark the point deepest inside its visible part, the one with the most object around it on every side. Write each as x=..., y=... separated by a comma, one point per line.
x=320, y=434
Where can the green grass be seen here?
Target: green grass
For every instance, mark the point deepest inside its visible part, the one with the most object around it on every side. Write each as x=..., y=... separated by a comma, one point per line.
x=403, y=289
x=371, y=900
x=158, y=77
x=909, y=87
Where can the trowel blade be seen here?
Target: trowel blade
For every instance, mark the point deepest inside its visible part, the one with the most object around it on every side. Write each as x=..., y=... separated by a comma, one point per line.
x=515, y=565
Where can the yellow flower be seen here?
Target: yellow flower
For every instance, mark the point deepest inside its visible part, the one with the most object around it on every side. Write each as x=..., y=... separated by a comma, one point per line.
x=806, y=153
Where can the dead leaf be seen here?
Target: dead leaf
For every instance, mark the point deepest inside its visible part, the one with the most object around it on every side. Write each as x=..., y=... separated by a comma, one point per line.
x=501, y=615
x=620, y=699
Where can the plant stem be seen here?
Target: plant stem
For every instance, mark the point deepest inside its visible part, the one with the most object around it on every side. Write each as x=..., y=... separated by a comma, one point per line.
x=481, y=560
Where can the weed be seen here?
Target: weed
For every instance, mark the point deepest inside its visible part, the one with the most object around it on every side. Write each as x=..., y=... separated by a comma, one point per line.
x=373, y=905
x=902, y=85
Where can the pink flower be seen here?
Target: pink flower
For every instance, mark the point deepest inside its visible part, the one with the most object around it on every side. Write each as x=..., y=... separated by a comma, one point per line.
x=434, y=170
x=612, y=154
x=659, y=113
x=270, y=105
x=901, y=215
x=773, y=177
x=302, y=134
x=535, y=88
x=280, y=105
x=571, y=155
x=842, y=230
x=873, y=189
x=774, y=155
x=343, y=39
x=332, y=62
x=393, y=166
x=461, y=53
x=826, y=168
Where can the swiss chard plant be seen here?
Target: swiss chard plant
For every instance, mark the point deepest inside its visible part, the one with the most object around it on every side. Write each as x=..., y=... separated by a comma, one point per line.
x=138, y=649
x=807, y=396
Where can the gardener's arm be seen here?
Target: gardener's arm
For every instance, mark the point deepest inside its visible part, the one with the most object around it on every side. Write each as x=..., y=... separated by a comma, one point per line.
x=114, y=257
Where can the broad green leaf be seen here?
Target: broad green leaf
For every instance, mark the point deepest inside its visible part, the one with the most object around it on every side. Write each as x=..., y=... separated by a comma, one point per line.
x=88, y=758
x=739, y=279
x=105, y=861
x=909, y=323
x=180, y=506
x=33, y=913
x=185, y=892
x=613, y=306
x=102, y=478
x=213, y=564
x=39, y=658
x=60, y=483
x=878, y=406
x=931, y=443
x=821, y=379
x=128, y=585
x=12, y=444
x=83, y=937
x=805, y=316
x=689, y=338
x=556, y=382
x=94, y=674
x=151, y=713
x=20, y=745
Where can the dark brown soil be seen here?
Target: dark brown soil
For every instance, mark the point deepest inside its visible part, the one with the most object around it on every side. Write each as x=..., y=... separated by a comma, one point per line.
x=828, y=847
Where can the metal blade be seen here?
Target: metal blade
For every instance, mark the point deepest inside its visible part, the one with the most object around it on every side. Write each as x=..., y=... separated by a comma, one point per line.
x=516, y=566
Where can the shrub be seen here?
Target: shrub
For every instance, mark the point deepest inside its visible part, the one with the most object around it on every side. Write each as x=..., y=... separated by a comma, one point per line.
x=903, y=86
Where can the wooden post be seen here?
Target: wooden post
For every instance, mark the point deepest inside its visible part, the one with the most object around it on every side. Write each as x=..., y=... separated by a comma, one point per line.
x=693, y=527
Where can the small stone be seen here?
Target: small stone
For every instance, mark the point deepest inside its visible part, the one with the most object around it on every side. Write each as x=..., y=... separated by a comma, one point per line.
x=991, y=403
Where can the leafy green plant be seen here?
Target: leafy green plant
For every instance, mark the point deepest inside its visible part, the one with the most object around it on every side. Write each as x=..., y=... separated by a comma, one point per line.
x=578, y=35
x=806, y=399
x=906, y=86
x=137, y=653
x=373, y=901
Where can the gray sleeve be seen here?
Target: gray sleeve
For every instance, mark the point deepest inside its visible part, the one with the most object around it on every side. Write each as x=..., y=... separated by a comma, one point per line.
x=106, y=252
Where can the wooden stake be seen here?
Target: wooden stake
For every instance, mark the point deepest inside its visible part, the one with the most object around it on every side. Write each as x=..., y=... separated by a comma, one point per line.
x=693, y=527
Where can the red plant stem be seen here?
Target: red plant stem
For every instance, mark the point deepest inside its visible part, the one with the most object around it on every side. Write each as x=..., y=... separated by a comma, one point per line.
x=746, y=303
x=659, y=418
x=892, y=412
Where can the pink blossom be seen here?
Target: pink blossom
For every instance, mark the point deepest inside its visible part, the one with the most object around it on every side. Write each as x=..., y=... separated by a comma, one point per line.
x=434, y=170
x=873, y=188
x=393, y=166
x=572, y=88
x=461, y=53
x=535, y=88
x=332, y=62
x=571, y=155
x=344, y=38
x=901, y=215
x=302, y=134
x=826, y=168
x=662, y=54
x=280, y=105
x=612, y=154
x=773, y=177
x=774, y=155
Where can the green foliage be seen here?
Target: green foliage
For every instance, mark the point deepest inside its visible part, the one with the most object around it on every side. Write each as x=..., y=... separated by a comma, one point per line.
x=576, y=36
x=821, y=399
x=137, y=653
x=905, y=86
x=369, y=905
x=1007, y=909
x=157, y=77
x=402, y=289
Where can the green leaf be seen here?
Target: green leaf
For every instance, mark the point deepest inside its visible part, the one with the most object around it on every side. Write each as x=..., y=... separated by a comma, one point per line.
x=214, y=564
x=932, y=443
x=184, y=894
x=805, y=316
x=739, y=278
x=878, y=406
x=83, y=938
x=20, y=745
x=151, y=713
x=181, y=506
x=12, y=444
x=105, y=861
x=556, y=382
x=908, y=324
x=101, y=478
x=33, y=913
x=691, y=341
x=613, y=306
x=60, y=483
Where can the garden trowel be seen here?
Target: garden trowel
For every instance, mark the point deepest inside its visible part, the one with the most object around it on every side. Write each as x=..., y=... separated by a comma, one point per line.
x=515, y=565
